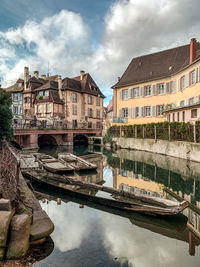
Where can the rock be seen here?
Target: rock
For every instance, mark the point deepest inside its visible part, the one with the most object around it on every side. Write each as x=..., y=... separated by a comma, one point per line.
x=42, y=226
x=38, y=242
x=19, y=237
x=5, y=218
x=5, y=204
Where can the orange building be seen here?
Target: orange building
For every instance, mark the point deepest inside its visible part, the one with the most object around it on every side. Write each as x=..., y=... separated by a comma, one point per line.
x=165, y=81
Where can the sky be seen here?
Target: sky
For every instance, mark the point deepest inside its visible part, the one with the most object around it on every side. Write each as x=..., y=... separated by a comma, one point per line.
x=97, y=36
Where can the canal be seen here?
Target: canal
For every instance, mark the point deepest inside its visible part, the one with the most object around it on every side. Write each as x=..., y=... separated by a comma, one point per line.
x=87, y=235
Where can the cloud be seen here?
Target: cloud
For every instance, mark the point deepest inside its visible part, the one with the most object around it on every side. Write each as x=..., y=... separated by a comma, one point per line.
x=131, y=28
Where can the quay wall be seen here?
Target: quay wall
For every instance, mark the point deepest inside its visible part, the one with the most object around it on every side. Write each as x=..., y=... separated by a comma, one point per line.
x=184, y=150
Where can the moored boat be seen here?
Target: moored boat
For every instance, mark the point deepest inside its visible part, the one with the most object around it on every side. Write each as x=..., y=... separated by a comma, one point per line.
x=52, y=164
x=79, y=164
x=152, y=206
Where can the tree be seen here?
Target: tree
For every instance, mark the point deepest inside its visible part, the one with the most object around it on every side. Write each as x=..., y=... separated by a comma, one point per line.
x=5, y=116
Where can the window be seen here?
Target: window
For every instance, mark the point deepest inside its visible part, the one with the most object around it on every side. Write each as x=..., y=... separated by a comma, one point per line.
x=160, y=110
x=74, y=123
x=136, y=93
x=90, y=112
x=147, y=111
x=39, y=109
x=19, y=84
x=137, y=112
x=125, y=113
x=15, y=97
x=124, y=94
x=40, y=93
x=46, y=93
x=182, y=103
x=98, y=101
x=191, y=101
x=15, y=109
x=183, y=116
x=90, y=125
x=98, y=113
x=74, y=97
x=192, y=77
x=182, y=82
x=98, y=124
x=178, y=116
x=147, y=90
x=74, y=109
x=194, y=113
x=161, y=88
x=48, y=108
x=173, y=117
x=90, y=99
x=27, y=99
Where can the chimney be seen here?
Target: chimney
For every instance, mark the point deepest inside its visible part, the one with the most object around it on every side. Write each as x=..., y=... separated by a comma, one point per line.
x=59, y=85
x=26, y=76
x=118, y=78
x=43, y=76
x=82, y=73
x=36, y=74
x=193, y=49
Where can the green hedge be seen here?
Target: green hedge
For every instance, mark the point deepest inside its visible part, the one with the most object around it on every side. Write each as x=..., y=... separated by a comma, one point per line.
x=178, y=131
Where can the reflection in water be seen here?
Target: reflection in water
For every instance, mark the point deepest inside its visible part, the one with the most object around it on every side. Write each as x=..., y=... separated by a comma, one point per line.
x=100, y=236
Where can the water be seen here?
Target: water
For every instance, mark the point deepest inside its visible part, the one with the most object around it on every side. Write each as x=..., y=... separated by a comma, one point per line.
x=93, y=236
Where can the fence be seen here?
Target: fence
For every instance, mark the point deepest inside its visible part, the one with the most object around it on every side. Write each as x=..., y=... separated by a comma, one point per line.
x=9, y=173
x=164, y=131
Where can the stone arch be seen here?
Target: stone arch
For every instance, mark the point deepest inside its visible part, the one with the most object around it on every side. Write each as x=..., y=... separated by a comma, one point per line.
x=16, y=144
x=47, y=140
x=80, y=139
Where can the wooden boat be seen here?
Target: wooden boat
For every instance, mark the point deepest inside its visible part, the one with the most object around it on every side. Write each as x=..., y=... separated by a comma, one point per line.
x=52, y=164
x=153, y=206
x=78, y=163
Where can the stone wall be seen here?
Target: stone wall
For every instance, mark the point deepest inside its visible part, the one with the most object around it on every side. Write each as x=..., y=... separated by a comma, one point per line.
x=178, y=149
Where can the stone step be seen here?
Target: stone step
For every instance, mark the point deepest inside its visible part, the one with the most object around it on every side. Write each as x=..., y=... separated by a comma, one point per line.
x=19, y=237
x=5, y=204
x=5, y=218
x=42, y=226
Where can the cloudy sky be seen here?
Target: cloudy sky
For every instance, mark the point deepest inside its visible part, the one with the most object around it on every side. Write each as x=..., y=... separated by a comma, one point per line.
x=98, y=36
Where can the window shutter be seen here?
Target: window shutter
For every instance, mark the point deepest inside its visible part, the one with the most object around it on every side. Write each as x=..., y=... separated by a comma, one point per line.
x=120, y=113
x=120, y=95
x=142, y=91
x=129, y=112
x=174, y=86
x=178, y=104
x=167, y=88
x=153, y=111
x=157, y=89
x=132, y=93
x=187, y=80
x=199, y=74
x=154, y=89
x=142, y=111
x=196, y=75
x=186, y=102
x=196, y=99
x=129, y=92
x=179, y=84
x=164, y=88
x=133, y=113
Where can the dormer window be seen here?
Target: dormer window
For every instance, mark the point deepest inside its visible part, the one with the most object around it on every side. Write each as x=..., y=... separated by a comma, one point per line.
x=46, y=93
x=19, y=84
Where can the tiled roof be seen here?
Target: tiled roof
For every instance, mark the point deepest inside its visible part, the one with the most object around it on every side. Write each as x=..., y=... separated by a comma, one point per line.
x=15, y=87
x=55, y=97
x=48, y=85
x=157, y=65
x=88, y=85
x=71, y=84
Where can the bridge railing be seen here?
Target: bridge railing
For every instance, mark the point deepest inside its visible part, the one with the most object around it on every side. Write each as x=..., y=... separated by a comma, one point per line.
x=58, y=125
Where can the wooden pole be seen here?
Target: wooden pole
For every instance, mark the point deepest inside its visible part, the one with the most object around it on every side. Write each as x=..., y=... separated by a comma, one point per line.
x=120, y=131
x=155, y=133
x=169, y=133
x=143, y=132
x=194, y=132
x=135, y=131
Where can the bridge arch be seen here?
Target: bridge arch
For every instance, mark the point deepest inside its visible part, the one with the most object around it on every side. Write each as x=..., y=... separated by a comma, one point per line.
x=16, y=144
x=80, y=139
x=47, y=140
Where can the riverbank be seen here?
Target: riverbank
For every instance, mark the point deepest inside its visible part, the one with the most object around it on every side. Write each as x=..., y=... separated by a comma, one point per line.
x=179, y=149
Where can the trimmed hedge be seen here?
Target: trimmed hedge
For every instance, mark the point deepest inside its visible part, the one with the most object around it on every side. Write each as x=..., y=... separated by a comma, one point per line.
x=179, y=131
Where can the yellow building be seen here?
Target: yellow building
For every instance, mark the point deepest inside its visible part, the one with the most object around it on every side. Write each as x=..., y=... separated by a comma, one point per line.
x=167, y=80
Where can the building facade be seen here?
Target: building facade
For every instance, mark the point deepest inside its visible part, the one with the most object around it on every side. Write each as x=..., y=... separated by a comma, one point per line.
x=165, y=81
x=71, y=102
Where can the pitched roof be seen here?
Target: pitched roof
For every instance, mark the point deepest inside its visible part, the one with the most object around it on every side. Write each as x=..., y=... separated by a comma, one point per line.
x=55, y=97
x=88, y=85
x=157, y=65
x=15, y=87
x=48, y=85
x=71, y=84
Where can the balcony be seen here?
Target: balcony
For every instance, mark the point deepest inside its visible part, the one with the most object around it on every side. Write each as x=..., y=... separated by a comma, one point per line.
x=119, y=120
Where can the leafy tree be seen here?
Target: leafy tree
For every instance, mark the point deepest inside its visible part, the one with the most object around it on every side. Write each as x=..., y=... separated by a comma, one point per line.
x=5, y=116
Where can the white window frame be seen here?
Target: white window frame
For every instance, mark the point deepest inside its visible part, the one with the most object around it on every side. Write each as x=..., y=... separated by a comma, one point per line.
x=147, y=90
x=124, y=94
x=161, y=88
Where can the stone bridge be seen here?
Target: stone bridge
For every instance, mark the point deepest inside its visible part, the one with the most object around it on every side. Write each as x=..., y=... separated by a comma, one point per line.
x=34, y=138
